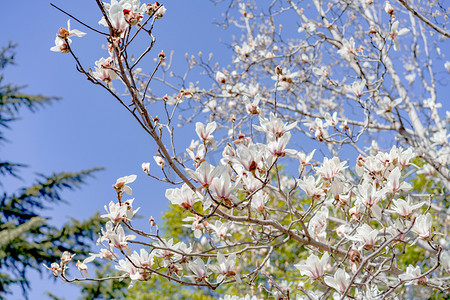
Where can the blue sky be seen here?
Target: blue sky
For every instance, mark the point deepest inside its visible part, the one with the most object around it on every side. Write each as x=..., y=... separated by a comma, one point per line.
x=87, y=127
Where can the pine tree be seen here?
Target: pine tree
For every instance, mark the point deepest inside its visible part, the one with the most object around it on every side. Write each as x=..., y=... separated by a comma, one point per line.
x=28, y=240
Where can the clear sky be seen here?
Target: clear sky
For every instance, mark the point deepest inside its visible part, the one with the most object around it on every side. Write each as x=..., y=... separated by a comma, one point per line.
x=87, y=127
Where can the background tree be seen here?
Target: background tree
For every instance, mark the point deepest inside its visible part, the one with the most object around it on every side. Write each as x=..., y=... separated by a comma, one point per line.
x=27, y=239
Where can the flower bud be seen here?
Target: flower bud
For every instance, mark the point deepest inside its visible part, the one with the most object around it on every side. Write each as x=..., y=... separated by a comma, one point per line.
x=355, y=256
x=279, y=70
x=63, y=33
x=162, y=56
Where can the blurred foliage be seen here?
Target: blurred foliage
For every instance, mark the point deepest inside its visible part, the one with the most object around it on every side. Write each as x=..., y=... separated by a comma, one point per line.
x=27, y=240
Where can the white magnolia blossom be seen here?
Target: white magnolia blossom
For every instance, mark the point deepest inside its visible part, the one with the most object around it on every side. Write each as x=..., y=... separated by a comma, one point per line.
x=422, y=226
x=62, y=40
x=226, y=267
x=404, y=208
x=121, y=184
x=411, y=273
x=339, y=281
x=313, y=267
x=395, y=32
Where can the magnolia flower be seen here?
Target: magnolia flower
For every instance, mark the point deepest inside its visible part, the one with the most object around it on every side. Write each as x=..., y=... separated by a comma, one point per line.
x=404, y=208
x=66, y=257
x=331, y=120
x=143, y=259
x=248, y=157
x=131, y=271
x=159, y=161
x=221, y=229
x=146, y=167
x=274, y=126
x=104, y=70
x=331, y=168
x=62, y=40
x=404, y=157
x=318, y=223
x=259, y=200
x=422, y=226
x=65, y=33
x=386, y=105
x=252, y=107
x=160, y=12
x=365, y=235
x=119, y=240
x=116, y=212
x=133, y=11
x=311, y=186
x=356, y=210
x=388, y=8
x=120, y=184
x=251, y=183
x=445, y=261
x=222, y=187
x=183, y=196
x=278, y=147
x=339, y=282
x=393, y=185
x=205, y=132
x=220, y=77
x=129, y=212
x=61, y=45
x=368, y=194
x=285, y=80
x=244, y=51
x=104, y=253
x=115, y=12
x=55, y=268
x=440, y=137
x=304, y=159
x=137, y=266
x=82, y=267
x=226, y=267
x=199, y=269
x=322, y=72
x=198, y=225
x=395, y=33
x=165, y=249
x=348, y=50
x=358, y=87
x=205, y=173
x=313, y=266
x=411, y=272
x=427, y=169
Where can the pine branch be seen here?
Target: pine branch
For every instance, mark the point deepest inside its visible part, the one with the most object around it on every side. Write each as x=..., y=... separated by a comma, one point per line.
x=23, y=206
x=7, y=55
x=9, y=168
x=7, y=236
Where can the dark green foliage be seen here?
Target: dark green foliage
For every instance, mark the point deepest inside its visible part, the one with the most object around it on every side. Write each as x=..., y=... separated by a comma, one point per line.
x=27, y=240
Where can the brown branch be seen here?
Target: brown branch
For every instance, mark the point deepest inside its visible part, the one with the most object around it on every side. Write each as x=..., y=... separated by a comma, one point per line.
x=423, y=19
x=82, y=23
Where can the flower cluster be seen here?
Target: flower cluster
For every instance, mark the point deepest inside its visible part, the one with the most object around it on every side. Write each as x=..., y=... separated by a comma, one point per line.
x=259, y=205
